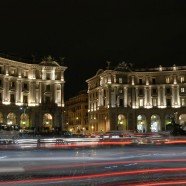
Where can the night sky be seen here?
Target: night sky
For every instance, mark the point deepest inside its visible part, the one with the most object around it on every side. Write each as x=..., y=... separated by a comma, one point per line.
x=87, y=33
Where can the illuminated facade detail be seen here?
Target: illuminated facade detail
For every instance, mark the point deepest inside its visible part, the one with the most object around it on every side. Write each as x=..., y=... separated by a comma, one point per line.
x=133, y=93
x=141, y=123
x=182, y=79
x=31, y=90
x=182, y=121
x=76, y=113
x=11, y=119
x=24, y=121
x=155, y=123
x=47, y=123
x=122, y=123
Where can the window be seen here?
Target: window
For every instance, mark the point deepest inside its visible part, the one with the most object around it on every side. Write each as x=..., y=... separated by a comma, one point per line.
x=104, y=102
x=48, y=76
x=12, y=84
x=0, y=70
x=182, y=89
x=120, y=80
x=25, y=74
x=167, y=79
x=168, y=102
x=141, y=102
x=25, y=86
x=47, y=87
x=153, y=81
x=154, y=102
x=104, y=93
x=47, y=99
x=1, y=82
x=140, y=81
x=120, y=102
x=120, y=91
x=182, y=79
x=12, y=72
x=168, y=90
x=12, y=98
x=25, y=99
x=132, y=80
x=183, y=102
x=154, y=91
x=140, y=92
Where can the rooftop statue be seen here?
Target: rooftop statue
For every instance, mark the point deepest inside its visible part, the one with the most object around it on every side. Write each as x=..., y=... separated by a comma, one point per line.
x=123, y=66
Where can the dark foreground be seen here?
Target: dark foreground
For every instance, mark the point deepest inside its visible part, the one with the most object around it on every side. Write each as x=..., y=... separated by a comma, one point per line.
x=108, y=165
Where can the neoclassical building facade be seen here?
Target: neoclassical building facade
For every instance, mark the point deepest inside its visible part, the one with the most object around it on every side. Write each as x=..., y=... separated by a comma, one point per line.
x=76, y=113
x=141, y=99
x=31, y=95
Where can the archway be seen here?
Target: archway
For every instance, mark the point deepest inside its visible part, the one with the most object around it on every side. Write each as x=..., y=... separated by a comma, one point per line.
x=182, y=121
x=24, y=121
x=155, y=123
x=1, y=121
x=47, y=122
x=11, y=119
x=122, y=123
x=1, y=118
x=141, y=123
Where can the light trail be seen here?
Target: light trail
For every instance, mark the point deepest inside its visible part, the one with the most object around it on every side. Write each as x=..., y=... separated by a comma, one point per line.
x=94, y=176
x=32, y=168
x=160, y=183
x=175, y=142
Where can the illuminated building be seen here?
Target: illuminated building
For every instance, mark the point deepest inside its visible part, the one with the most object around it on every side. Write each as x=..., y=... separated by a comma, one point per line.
x=31, y=95
x=76, y=113
x=139, y=99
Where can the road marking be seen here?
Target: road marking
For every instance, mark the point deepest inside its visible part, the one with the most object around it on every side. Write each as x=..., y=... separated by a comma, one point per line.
x=131, y=164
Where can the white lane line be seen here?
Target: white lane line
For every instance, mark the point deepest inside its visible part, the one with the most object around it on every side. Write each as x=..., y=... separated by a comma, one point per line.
x=11, y=169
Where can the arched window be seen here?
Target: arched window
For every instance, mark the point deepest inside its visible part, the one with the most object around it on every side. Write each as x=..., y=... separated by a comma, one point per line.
x=1, y=118
x=11, y=119
x=141, y=123
x=24, y=122
x=47, y=122
x=155, y=123
x=182, y=121
x=122, y=123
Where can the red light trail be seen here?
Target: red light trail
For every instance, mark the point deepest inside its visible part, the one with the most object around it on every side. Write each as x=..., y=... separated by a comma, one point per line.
x=101, y=175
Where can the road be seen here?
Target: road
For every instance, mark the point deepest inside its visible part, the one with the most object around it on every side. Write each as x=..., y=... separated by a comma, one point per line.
x=103, y=165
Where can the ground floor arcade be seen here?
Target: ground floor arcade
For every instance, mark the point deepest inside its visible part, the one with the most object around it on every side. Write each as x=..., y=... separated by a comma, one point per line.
x=140, y=120
x=39, y=119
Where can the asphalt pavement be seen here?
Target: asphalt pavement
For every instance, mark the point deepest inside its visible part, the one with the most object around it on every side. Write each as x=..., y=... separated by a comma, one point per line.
x=94, y=165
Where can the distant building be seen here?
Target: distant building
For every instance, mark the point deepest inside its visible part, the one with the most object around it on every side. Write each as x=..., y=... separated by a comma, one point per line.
x=142, y=100
x=76, y=113
x=31, y=95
